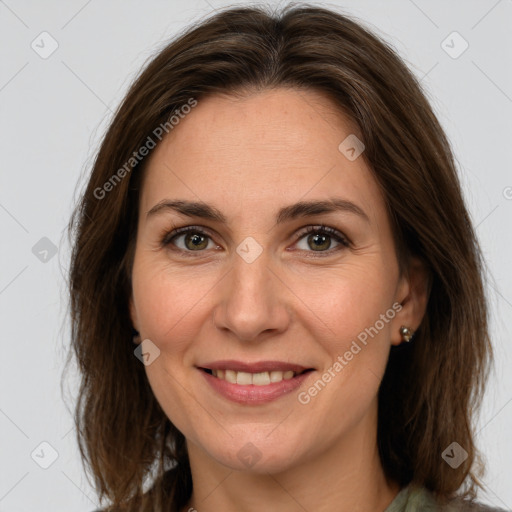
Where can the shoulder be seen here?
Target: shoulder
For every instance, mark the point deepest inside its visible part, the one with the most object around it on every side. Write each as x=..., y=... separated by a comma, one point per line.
x=416, y=499
x=462, y=505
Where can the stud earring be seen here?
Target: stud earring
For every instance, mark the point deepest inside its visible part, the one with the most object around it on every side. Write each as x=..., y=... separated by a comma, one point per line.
x=406, y=333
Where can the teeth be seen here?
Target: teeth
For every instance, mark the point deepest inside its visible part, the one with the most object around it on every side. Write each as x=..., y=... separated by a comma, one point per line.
x=257, y=379
x=229, y=375
x=243, y=378
x=276, y=376
x=261, y=379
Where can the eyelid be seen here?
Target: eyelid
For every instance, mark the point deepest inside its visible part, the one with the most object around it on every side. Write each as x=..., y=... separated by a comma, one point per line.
x=322, y=228
x=340, y=238
x=169, y=235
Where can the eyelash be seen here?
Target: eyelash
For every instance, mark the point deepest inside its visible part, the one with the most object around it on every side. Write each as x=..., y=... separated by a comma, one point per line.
x=320, y=229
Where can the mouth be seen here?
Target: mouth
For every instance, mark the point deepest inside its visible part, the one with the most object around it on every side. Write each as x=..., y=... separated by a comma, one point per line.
x=254, y=383
x=257, y=379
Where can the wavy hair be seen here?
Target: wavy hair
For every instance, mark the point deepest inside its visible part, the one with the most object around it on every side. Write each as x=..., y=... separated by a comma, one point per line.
x=431, y=388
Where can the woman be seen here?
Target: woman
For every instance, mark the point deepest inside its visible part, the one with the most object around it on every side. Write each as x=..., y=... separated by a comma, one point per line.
x=274, y=217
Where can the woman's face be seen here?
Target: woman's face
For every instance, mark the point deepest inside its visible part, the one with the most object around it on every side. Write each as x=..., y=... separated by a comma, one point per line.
x=249, y=289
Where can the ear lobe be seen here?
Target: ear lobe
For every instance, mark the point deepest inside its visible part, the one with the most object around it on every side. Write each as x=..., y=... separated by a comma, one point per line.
x=414, y=292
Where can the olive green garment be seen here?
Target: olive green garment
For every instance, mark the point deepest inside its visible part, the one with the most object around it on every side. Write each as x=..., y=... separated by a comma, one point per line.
x=416, y=499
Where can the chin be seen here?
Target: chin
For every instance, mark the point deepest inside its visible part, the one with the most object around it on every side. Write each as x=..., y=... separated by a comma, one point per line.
x=260, y=453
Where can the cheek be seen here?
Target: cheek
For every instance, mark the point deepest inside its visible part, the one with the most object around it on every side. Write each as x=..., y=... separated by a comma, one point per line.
x=168, y=303
x=355, y=308
x=166, y=314
x=343, y=303
x=169, y=385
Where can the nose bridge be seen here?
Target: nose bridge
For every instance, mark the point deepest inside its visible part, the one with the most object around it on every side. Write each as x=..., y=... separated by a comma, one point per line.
x=251, y=274
x=252, y=301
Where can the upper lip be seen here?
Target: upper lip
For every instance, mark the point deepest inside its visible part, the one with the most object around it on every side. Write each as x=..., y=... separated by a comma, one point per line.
x=256, y=367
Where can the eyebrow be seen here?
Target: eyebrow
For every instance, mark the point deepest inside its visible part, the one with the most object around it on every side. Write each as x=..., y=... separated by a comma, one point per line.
x=285, y=214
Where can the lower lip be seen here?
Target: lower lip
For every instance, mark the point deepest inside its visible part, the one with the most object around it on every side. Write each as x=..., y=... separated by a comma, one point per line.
x=251, y=394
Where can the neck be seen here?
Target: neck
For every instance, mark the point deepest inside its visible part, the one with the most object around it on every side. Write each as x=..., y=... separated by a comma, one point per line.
x=347, y=477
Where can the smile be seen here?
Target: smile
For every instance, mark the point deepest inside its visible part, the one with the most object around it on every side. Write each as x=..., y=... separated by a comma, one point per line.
x=256, y=379
x=256, y=383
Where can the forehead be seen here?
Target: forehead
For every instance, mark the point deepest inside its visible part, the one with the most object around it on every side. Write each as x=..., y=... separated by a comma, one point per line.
x=269, y=147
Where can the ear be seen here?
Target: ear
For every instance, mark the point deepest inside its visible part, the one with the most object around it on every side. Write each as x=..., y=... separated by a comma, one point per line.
x=412, y=294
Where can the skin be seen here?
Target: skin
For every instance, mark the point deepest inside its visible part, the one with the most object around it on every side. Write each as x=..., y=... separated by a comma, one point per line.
x=249, y=157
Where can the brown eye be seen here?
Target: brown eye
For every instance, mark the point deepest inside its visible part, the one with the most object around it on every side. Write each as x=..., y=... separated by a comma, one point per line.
x=194, y=239
x=320, y=239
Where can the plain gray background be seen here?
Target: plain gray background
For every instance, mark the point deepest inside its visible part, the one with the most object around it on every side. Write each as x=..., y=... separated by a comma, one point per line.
x=54, y=111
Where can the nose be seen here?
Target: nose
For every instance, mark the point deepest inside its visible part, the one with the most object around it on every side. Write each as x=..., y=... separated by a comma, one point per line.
x=254, y=302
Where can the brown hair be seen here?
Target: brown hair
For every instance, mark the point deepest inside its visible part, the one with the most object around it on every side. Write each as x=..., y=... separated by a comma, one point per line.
x=432, y=386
